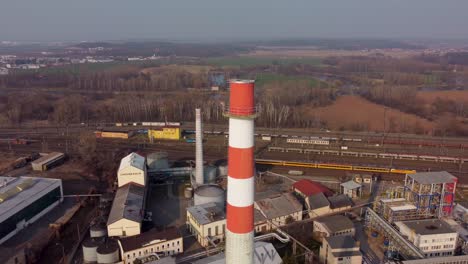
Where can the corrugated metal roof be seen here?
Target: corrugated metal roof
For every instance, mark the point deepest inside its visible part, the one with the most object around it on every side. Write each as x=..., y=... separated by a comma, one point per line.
x=337, y=242
x=309, y=188
x=427, y=226
x=207, y=213
x=48, y=158
x=317, y=201
x=433, y=177
x=282, y=205
x=350, y=185
x=133, y=160
x=339, y=201
x=336, y=223
x=128, y=204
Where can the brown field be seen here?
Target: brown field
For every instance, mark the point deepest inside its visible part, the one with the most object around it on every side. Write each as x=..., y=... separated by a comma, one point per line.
x=458, y=96
x=193, y=69
x=350, y=112
x=296, y=52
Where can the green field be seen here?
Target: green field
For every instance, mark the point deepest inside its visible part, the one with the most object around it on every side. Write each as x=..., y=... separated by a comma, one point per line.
x=243, y=61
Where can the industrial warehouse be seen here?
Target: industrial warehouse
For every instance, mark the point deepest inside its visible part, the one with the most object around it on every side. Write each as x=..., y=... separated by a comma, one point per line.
x=24, y=200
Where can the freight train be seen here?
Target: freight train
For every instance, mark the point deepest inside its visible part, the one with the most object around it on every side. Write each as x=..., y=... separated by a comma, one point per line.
x=333, y=166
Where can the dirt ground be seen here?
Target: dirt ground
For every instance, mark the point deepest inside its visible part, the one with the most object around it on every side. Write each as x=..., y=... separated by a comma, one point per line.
x=6, y=161
x=349, y=111
x=457, y=96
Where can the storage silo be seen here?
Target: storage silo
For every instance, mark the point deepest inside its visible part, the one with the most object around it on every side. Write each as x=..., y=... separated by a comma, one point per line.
x=108, y=252
x=90, y=246
x=209, y=193
x=157, y=161
x=98, y=230
x=188, y=192
x=210, y=173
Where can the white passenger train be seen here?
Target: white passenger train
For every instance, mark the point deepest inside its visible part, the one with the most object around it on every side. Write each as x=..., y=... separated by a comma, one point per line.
x=308, y=141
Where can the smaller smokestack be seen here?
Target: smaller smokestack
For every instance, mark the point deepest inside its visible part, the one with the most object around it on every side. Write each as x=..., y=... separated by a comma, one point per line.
x=198, y=148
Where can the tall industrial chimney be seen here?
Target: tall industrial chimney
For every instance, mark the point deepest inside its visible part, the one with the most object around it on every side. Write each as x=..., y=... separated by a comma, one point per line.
x=198, y=148
x=240, y=190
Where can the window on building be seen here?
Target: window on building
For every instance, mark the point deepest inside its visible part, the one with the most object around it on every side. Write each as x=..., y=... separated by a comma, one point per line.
x=209, y=231
x=128, y=256
x=134, y=254
x=339, y=259
x=224, y=228
x=216, y=230
x=178, y=242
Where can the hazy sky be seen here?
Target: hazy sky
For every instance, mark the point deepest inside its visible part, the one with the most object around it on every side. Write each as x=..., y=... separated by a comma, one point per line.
x=52, y=20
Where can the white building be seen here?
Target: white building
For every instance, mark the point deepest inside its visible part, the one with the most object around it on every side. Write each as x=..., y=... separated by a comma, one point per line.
x=132, y=169
x=433, y=237
x=351, y=188
x=340, y=250
x=318, y=204
x=168, y=242
x=23, y=200
x=127, y=211
x=207, y=222
x=280, y=209
x=336, y=225
x=48, y=161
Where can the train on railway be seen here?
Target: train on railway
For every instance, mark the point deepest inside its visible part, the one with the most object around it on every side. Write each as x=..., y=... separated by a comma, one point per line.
x=400, y=156
x=333, y=166
x=150, y=124
x=308, y=141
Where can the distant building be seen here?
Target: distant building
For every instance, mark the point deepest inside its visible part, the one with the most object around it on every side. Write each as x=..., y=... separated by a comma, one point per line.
x=439, y=260
x=132, y=169
x=352, y=189
x=336, y=225
x=48, y=161
x=319, y=205
x=24, y=200
x=127, y=211
x=305, y=188
x=280, y=209
x=340, y=250
x=207, y=222
x=433, y=237
x=162, y=243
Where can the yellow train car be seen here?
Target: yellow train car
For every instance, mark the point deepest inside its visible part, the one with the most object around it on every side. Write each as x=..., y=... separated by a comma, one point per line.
x=115, y=134
x=370, y=169
x=402, y=171
x=269, y=162
x=300, y=164
x=168, y=132
x=334, y=166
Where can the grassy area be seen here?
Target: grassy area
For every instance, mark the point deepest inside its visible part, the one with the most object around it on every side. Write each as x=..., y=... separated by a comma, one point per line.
x=245, y=61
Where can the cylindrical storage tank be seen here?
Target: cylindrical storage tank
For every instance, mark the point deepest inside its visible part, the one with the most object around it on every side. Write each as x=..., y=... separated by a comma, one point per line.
x=90, y=246
x=188, y=192
x=108, y=252
x=98, y=230
x=208, y=194
x=157, y=161
x=210, y=174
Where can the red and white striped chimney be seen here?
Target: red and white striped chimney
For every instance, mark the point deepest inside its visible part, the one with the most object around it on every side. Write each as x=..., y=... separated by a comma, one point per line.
x=240, y=190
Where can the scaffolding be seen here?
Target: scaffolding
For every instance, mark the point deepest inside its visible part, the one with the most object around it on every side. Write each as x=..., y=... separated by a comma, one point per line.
x=432, y=193
x=397, y=209
x=397, y=243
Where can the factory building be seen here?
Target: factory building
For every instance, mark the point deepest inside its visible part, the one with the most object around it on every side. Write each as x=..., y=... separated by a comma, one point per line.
x=47, y=162
x=24, y=200
x=127, y=211
x=280, y=210
x=114, y=134
x=432, y=193
x=306, y=188
x=340, y=250
x=397, y=209
x=167, y=132
x=207, y=222
x=163, y=243
x=433, y=237
x=132, y=169
x=336, y=225
x=319, y=204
